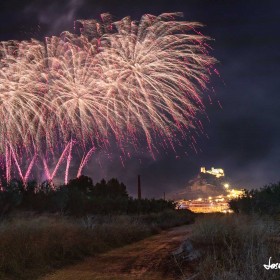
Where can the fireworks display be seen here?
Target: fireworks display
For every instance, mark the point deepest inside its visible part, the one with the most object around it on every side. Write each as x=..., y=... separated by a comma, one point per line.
x=119, y=80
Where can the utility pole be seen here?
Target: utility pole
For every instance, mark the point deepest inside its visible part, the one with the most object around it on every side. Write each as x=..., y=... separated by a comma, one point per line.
x=139, y=187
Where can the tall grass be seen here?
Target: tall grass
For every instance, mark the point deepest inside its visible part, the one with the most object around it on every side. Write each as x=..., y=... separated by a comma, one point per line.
x=30, y=246
x=236, y=247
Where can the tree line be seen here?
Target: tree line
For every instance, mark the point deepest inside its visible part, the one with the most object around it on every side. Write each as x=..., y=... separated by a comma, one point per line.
x=79, y=197
x=264, y=201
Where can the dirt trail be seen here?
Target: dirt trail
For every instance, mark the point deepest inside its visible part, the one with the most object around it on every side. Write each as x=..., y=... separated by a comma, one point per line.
x=141, y=260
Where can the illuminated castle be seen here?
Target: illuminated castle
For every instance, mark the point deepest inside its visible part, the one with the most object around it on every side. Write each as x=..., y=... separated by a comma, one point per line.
x=212, y=193
x=217, y=172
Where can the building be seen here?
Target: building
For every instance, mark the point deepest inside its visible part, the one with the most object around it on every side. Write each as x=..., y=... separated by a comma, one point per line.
x=217, y=172
x=211, y=201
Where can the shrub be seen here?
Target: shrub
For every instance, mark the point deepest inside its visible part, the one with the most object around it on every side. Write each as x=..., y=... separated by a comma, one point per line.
x=265, y=201
x=235, y=247
x=168, y=218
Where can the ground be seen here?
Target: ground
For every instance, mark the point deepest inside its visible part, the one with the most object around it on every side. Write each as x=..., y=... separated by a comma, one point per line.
x=145, y=260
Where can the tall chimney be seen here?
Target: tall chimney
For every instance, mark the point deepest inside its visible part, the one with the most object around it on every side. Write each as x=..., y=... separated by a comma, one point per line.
x=139, y=187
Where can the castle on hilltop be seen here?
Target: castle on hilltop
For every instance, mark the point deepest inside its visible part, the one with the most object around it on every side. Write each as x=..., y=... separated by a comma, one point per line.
x=217, y=172
x=208, y=192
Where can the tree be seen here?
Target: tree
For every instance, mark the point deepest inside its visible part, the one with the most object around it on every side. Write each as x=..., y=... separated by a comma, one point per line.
x=263, y=201
x=113, y=188
x=83, y=184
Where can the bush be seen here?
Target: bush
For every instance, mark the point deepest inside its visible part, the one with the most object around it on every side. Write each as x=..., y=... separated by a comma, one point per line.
x=235, y=247
x=265, y=201
x=168, y=218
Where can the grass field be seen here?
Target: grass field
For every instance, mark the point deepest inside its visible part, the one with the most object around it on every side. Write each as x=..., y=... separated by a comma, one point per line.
x=236, y=247
x=31, y=245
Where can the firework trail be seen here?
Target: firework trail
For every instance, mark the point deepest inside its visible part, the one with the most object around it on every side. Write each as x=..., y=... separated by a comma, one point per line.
x=66, y=152
x=114, y=80
x=85, y=161
x=68, y=162
x=8, y=163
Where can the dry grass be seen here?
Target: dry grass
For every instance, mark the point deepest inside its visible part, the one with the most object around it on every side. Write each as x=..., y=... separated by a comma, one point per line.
x=236, y=247
x=30, y=246
x=33, y=245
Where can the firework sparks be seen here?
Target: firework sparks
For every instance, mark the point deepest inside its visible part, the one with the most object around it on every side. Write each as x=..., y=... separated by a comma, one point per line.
x=151, y=74
x=122, y=79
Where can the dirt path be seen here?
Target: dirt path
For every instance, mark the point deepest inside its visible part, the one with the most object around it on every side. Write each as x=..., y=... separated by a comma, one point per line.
x=142, y=260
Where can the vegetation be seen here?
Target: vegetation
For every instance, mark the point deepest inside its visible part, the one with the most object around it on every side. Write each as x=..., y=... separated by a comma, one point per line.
x=45, y=227
x=265, y=201
x=235, y=247
x=33, y=245
x=79, y=197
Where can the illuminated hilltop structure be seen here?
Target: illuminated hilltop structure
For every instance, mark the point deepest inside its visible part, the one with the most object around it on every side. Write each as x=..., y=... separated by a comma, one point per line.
x=213, y=193
x=217, y=172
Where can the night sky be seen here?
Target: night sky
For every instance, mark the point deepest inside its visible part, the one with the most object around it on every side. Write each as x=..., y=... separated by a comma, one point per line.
x=242, y=137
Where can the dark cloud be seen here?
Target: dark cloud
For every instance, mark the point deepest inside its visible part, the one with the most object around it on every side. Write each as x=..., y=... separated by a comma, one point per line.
x=54, y=16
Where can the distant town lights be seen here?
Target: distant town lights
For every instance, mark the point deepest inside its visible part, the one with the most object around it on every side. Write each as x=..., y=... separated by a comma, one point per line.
x=215, y=203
